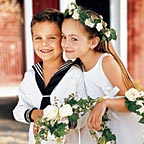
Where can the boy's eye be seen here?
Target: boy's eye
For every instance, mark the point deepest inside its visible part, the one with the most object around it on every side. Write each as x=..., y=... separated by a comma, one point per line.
x=52, y=38
x=37, y=38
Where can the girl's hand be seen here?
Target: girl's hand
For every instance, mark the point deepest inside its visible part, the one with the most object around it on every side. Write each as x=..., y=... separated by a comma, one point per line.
x=95, y=117
x=35, y=115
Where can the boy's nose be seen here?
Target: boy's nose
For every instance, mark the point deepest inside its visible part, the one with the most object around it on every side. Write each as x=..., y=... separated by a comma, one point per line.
x=44, y=43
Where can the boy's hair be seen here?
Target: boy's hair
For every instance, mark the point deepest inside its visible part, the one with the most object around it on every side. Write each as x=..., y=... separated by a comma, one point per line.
x=49, y=14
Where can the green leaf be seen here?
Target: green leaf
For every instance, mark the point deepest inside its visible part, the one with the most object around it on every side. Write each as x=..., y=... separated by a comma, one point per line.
x=108, y=134
x=66, y=13
x=141, y=120
x=59, y=130
x=74, y=118
x=103, y=38
x=41, y=131
x=71, y=101
x=113, y=34
x=132, y=106
x=102, y=140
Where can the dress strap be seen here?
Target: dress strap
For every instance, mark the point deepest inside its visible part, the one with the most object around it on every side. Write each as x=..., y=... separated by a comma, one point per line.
x=103, y=55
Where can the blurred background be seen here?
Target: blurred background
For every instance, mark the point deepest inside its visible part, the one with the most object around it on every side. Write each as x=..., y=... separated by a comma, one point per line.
x=17, y=56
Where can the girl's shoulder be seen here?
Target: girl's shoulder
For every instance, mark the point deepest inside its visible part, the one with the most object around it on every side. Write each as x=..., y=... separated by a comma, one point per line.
x=113, y=72
x=109, y=62
x=104, y=59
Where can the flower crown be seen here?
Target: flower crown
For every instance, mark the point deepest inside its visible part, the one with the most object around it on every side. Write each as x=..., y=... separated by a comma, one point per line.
x=78, y=13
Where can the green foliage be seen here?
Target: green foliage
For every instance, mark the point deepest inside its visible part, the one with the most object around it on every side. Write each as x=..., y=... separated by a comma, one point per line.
x=74, y=118
x=142, y=119
x=59, y=130
x=132, y=106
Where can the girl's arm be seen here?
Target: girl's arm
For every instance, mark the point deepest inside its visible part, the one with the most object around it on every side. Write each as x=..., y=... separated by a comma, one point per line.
x=114, y=74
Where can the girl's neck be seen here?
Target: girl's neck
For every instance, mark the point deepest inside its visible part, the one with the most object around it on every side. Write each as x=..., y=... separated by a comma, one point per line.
x=90, y=61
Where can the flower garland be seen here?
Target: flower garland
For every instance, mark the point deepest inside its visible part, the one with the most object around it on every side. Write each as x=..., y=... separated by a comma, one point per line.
x=55, y=122
x=78, y=13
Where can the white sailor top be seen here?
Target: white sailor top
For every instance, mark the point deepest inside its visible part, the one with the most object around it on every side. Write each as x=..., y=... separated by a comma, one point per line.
x=32, y=90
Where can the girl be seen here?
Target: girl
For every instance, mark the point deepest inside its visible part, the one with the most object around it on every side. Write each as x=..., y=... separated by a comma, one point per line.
x=86, y=36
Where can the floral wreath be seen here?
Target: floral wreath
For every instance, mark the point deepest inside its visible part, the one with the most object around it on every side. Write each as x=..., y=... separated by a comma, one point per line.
x=78, y=13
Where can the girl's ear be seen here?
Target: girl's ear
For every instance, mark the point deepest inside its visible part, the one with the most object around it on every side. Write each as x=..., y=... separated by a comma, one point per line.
x=94, y=42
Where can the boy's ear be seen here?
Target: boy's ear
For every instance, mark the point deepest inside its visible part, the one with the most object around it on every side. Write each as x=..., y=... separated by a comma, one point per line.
x=95, y=41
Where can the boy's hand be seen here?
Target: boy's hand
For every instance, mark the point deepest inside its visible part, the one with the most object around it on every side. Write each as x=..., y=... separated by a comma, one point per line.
x=34, y=116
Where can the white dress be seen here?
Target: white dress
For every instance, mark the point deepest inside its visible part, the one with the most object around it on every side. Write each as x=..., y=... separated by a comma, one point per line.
x=30, y=96
x=124, y=125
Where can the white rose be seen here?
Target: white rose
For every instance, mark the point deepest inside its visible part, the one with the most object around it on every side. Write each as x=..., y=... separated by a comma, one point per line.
x=99, y=26
x=132, y=94
x=75, y=15
x=65, y=110
x=71, y=7
x=50, y=112
x=107, y=34
x=89, y=23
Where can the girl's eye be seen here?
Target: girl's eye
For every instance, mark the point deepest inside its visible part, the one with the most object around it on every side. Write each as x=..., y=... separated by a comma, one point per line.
x=74, y=39
x=63, y=37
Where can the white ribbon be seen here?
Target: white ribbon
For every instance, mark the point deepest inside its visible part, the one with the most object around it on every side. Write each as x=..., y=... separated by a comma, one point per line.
x=111, y=94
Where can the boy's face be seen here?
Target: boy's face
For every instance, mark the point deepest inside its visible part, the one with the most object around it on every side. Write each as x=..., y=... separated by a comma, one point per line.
x=47, y=40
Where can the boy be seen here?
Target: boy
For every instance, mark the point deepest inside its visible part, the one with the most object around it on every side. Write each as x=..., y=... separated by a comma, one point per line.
x=50, y=77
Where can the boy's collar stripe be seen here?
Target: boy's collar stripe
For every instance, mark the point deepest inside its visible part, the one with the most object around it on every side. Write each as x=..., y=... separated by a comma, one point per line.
x=64, y=66
x=38, y=68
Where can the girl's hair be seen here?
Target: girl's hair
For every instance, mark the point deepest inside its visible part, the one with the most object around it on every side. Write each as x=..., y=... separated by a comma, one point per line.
x=104, y=45
x=126, y=77
x=49, y=14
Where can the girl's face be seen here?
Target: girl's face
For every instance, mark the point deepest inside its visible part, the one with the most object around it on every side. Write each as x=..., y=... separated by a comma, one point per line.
x=47, y=40
x=75, y=40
